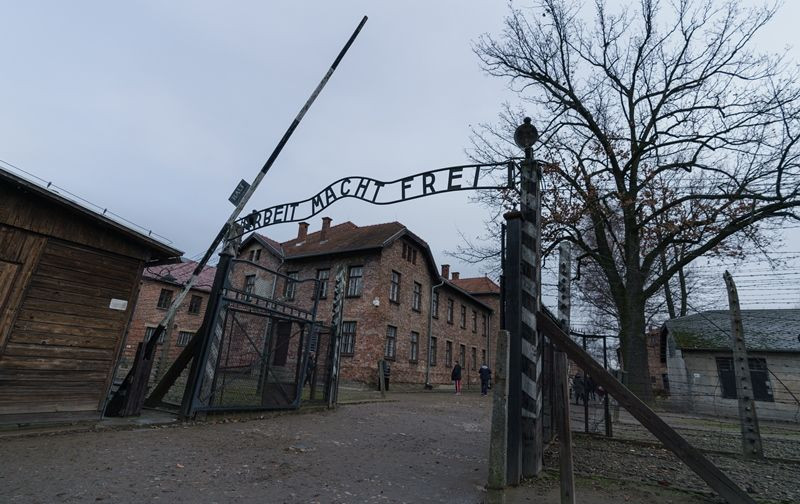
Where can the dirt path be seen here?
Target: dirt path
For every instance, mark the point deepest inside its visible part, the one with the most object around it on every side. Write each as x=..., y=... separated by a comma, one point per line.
x=424, y=447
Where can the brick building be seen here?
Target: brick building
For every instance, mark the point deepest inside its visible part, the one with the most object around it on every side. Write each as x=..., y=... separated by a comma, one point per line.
x=159, y=286
x=394, y=292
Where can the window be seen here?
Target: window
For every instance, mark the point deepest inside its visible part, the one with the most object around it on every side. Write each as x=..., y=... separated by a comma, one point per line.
x=432, y=351
x=759, y=377
x=290, y=286
x=462, y=355
x=348, y=338
x=251, y=255
x=391, y=342
x=416, y=300
x=474, y=358
x=435, y=303
x=483, y=356
x=394, y=288
x=184, y=337
x=194, y=305
x=164, y=299
x=409, y=253
x=249, y=283
x=474, y=321
x=485, y=325
x=662, y=350
x=414, y=355
x=354, y=275
x=322, y=278
x=148, y=333
x=463, y=317
x=258, y=254
x=449, y=311
x=448, y=353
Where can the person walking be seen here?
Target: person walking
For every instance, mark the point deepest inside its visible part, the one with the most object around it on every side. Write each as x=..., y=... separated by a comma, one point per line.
x=456, y=377
x=485, y=374
x=578, y=387
x=387, y=372
x=311, y=366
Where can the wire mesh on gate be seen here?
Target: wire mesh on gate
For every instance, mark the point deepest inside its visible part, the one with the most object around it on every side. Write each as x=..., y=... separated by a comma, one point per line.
x=265, y=351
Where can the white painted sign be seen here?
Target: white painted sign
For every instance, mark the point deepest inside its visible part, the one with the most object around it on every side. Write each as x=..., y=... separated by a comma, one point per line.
x=118, y=304
x=696, y=375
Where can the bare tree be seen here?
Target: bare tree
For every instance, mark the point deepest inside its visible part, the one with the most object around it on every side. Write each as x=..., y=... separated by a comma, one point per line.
x=666, y=137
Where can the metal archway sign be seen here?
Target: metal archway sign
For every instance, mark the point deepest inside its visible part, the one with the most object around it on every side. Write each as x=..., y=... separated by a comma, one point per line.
x=376, y=192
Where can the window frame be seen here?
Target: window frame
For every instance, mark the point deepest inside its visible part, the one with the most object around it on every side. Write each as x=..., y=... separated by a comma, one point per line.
x=414, y=348
x=416, y=297
x=475, y=321
x=390, y=346
x=195, y=302
x=432, y=351
x=463, y=317
x=352, y=337
x=164, y=299
x=322, y=283
x=249, y=283
x=290, y=285
x=448, y=354
x=181, y=342
x=450, y=310
x=355, y=284
x=435, y=304
x=394, y=287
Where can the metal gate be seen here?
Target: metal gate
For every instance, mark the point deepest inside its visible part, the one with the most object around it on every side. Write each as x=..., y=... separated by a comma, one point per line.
x=264, y=345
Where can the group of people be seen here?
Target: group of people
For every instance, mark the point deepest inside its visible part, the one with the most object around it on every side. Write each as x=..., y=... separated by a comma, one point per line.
x=584, y=388
x=484, y=372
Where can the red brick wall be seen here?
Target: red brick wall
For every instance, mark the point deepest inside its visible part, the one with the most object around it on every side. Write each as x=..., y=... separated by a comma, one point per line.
x=372, y=321
x=147, y=314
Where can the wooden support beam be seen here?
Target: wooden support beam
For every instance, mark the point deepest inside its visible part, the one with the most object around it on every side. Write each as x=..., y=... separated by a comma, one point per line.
x=498, y=440
x=691, y=456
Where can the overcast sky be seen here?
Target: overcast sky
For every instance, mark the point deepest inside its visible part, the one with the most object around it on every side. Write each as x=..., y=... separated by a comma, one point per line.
x=156, y=110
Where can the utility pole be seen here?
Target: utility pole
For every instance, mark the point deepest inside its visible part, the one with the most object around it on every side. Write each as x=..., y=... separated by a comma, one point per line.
x=751, y=436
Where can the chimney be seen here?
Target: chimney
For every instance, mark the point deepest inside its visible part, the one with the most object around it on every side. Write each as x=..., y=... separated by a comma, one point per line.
x=455, y=275
x=302, y=231
x=326, y=225
x=446, y=271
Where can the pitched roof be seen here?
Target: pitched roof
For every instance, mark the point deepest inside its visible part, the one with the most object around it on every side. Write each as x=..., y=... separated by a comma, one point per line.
x=766, y=330
x=179, y=273
x=477, y=285
x=345, y=237
x=162, y=251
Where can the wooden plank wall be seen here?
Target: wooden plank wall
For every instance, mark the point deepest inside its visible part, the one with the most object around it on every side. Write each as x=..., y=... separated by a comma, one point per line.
x=61, y=350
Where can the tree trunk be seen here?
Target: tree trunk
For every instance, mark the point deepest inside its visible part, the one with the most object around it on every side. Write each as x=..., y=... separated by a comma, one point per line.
x=634, y=345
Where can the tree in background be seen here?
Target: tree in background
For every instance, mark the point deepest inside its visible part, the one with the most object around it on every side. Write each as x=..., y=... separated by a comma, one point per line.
x=666, y=138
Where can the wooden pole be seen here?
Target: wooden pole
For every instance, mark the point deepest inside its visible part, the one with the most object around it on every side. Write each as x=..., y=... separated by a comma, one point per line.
x=560, y=370
x=751, y=436
x=673, y=441
x=606, y=411
x=585, y=394
x=498, y=440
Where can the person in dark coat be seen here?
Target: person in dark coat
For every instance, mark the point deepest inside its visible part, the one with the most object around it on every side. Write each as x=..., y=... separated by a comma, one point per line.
x=311, y=366
x=578, y=387
x=456, y=377
x=485, y=374
x=387, y=371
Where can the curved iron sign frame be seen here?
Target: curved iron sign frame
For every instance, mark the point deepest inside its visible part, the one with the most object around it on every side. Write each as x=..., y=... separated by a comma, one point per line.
x=376, y=192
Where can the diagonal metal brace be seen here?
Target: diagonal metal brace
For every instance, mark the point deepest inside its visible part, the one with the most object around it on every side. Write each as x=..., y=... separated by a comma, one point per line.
x=690, y=455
